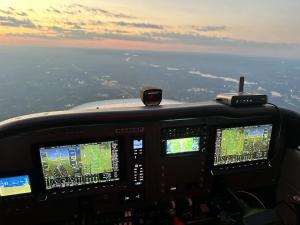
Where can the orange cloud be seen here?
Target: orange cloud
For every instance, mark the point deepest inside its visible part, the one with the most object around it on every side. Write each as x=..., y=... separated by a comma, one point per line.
x=118, y=44
x=105, y=43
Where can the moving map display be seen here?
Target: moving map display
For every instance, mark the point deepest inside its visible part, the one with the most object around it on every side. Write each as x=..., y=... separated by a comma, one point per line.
x=79, y=164
x=14, y=185
x=242, y=144
x=182, y=145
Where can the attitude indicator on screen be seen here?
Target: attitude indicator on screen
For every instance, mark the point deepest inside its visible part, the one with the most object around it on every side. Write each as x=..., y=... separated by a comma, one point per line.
x=79, y=164
x=14, y=185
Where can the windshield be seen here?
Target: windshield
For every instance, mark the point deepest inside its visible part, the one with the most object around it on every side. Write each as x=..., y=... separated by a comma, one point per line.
x=55, y=55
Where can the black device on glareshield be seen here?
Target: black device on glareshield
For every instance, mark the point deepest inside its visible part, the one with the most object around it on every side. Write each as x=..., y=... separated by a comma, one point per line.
x=242, y=98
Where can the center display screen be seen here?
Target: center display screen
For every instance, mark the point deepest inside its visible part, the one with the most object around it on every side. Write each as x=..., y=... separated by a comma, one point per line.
x=182, y=145
x=80, y=164
x=242, y=144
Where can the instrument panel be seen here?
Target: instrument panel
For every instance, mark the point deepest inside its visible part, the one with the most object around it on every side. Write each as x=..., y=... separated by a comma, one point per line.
x=134, y=163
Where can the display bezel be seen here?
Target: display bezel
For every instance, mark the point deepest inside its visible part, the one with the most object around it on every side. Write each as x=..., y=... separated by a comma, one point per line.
x=41, y=178
x=250, y=164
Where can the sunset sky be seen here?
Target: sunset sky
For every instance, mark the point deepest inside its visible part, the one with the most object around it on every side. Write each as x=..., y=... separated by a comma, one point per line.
x=254, y=27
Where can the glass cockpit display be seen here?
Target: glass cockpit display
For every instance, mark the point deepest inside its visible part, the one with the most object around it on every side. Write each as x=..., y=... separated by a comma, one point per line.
x=186, y=140
x=242, y=144
x=182, y=145
x=80, y=164
x=14, y=185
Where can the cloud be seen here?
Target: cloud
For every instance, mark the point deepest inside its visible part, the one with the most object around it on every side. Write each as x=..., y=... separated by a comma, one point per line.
x=198, y=39
x=57, y=29
x=22, y=14
x=115, y=31
x=66, y=27
x=76, y=31
x=70, y=23
x=210, y=28
x=186, y=38
x=52, y=9
x=72, y=33
x=10, y=21
x=78, y=8
x=77, y=27
x=13, y=12
x=96, y=22
x=89, y=9
x=82, y=35
x=94, y=29
x=7, y=12
x=139, y=25
x=62, y=34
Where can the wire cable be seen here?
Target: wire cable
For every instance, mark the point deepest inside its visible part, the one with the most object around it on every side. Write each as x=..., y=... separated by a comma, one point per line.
x=253, y=196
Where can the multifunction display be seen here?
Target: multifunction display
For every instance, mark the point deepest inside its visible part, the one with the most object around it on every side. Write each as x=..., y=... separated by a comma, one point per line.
x=182, y=145
x=242, y=144
x=184, y=140
x=80, y=164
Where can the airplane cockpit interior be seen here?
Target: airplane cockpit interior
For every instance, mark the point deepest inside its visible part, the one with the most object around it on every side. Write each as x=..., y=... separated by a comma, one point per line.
x=200, y=163
x=149, y=112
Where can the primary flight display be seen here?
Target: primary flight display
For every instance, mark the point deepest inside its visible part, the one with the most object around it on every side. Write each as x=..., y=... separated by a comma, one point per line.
x=242, y=144
x=79, y=164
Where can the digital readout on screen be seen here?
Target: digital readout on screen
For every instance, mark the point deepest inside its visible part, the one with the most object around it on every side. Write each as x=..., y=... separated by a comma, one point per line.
x=182, y=145
x=14, y=185
x=242, y=144
x=80, y=164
